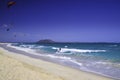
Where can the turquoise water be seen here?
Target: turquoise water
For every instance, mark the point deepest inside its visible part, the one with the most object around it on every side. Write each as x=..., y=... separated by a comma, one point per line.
x=101, y=58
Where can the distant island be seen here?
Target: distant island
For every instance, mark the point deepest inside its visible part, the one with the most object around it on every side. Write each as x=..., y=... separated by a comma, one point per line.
x=51, y=41
x=46, y=41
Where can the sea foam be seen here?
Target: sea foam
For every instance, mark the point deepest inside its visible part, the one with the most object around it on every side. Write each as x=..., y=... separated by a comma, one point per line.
x=80, y=50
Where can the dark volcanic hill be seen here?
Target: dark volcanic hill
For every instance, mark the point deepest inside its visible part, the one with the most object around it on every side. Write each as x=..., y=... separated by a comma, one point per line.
x=46, y=41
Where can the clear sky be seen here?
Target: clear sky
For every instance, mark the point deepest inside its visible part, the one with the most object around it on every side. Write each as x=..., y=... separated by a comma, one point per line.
x=61, y=20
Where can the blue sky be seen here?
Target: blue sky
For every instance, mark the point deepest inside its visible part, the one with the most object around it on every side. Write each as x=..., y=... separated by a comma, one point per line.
x=61, y=20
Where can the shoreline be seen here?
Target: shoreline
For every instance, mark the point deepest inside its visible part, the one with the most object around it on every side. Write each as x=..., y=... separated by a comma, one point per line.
x=66, y=73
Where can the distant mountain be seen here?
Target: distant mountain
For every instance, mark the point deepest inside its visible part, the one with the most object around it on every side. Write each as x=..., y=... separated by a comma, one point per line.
x=46, y=41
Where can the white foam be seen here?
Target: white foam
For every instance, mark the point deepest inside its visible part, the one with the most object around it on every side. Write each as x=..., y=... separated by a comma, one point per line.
x=65, y=58
x=66, y=46
x=27, y=46
x=101, y=62
x=60, y=57
x=80, y=50
x=55, y=48
x=74, y=61
x=20, y=48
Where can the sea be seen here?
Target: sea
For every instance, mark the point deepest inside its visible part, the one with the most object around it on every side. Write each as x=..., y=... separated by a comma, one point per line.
x=99, y=58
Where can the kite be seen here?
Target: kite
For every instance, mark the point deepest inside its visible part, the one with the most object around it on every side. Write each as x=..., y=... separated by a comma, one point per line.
x=11, y=3
x=6, y=26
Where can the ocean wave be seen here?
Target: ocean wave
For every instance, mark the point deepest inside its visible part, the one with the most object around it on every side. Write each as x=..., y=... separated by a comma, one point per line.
x=20, y=48
x=30, y=51
x=80, y=50
x=55, y=48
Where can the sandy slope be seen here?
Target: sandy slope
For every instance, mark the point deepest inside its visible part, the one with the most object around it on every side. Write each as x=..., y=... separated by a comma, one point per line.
x=11, y=69
x=18, y=67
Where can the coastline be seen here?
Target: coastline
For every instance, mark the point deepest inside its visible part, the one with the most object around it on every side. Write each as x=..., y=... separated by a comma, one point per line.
x=47, y=70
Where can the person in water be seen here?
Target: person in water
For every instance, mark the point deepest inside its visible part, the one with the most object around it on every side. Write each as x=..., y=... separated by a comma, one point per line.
x=59, y=49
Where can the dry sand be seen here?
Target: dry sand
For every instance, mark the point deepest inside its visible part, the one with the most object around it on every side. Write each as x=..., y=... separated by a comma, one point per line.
x=19, y=67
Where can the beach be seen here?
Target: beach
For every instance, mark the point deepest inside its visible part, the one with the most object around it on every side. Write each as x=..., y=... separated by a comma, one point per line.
x=15, y=66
